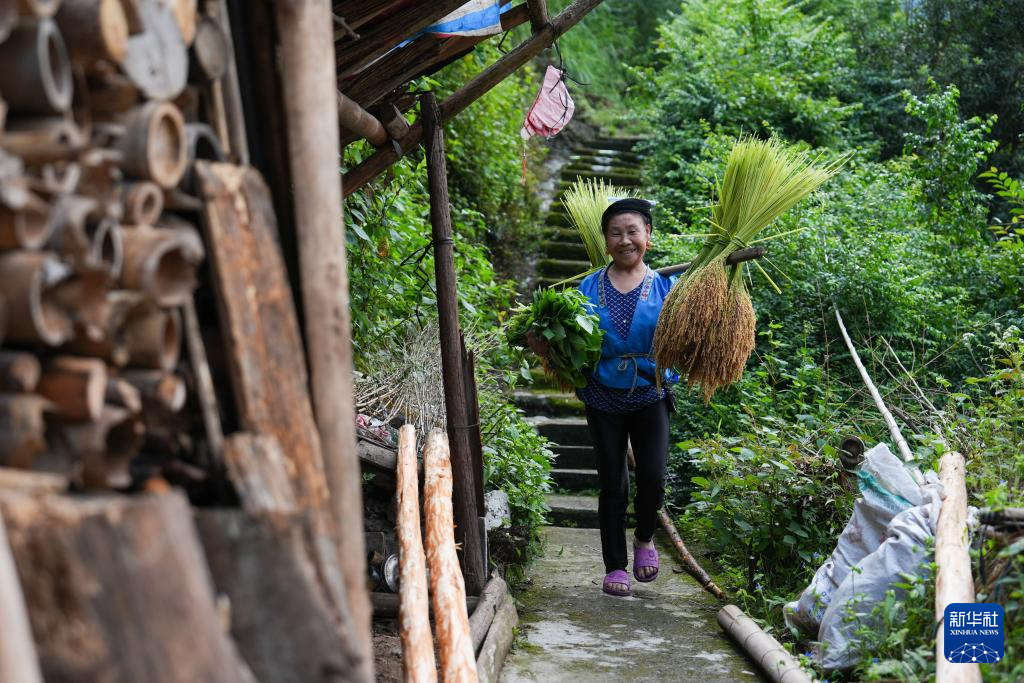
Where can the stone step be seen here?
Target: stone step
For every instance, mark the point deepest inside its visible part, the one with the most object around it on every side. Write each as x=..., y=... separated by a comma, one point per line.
x=558, y=219
x=615, y=180
x=607, y=152
x=551, y=403
x=564, y=431
x=608, y=172
x=628, y=161
x=559, y=268
x=574, y=457
x=574, y=251
x=557, y=234
x=575, y=511
x=625, y=143
x=575, y=479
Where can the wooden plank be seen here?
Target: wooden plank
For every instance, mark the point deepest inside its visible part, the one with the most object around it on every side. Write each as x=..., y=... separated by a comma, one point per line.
x=498, y=642
x=424, y=56
x=117, y=589
x=376, y=164
x=258, y=468
x=358, y=13
x=465, y=496
x=490, y=600
x=382, y=36
x=311, y=117
x=18, y=662
x=279, y=619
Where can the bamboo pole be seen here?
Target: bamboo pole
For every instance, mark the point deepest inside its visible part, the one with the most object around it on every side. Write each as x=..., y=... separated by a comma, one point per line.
x=18, y=660
x=464, y=499
x=311, y=112
x=773, y=659
x=354, y=118
x=455, y=644
x=469, y=93
x=414, y=611
x=953, y=581
x=890, y=422
x=689, y=563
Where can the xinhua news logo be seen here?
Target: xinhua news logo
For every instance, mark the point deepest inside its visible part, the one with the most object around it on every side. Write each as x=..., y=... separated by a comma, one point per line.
x=973, y=633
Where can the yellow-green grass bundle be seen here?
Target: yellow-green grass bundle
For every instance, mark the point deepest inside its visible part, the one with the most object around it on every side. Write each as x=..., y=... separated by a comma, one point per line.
x=586, y=201
x=707, y=324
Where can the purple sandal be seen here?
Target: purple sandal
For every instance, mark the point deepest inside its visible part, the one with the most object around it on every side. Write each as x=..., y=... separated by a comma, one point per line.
x=619, y=576
x=645, y=557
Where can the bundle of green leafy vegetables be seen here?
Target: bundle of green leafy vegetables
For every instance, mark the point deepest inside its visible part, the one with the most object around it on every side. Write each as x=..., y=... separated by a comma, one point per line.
x=572, y=333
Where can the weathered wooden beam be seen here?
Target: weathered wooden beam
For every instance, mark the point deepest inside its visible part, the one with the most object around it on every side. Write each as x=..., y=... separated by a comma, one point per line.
x=358, y=13
x=354, y=118
x=538, y=14
x=311, y=115
x=407, y=22
x=469, y=93
x=423, y=56
x=464, y=499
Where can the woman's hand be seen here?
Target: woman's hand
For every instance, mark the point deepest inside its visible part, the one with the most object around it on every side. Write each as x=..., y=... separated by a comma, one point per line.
x=541, y=347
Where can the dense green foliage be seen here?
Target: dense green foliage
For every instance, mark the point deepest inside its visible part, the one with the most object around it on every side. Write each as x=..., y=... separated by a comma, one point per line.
x=905, y=243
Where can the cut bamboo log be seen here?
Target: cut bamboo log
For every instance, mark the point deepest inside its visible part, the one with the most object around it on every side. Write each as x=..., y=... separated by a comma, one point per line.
x=123, y=305
x=258, y=469
x=133, y=15
x=33, y=483
x=954, y=581
x=22, y=429
x=112, y=94
x=414, y=613
x=279, y=619
x=27, y=280
x=227, y=92
x=159, y=390
x=89, y=567
x=354, y=118
x=498, y=643
x=28, y=228
x=73, y=224
x=143, y=203
x=455, y=643
x=310, y=106
x=84, y=299
x=162, y=263
x=36, y=78
x=19, y=371
x=121, y=394
x=157, y=60
x=98, y=451
x=94, y=29
x=186, y=17
x=76, y=386
x=200, y=143
x=18, y=662
x=154, y=144
x=39, y=141
x=689, y=563
x=770, y=656
x=38, y=8
x=152, y=337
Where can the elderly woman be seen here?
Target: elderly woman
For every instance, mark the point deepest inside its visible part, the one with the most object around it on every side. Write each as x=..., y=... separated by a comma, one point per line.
x=624, y=403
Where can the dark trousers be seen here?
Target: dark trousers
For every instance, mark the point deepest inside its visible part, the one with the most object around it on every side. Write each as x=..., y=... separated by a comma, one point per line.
x=647, y=431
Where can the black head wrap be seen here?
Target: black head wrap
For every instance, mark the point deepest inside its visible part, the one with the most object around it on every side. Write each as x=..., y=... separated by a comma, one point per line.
x=640, y=206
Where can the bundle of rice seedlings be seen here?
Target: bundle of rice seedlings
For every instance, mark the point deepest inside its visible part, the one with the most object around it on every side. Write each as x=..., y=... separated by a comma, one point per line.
x=706, y=327
x=586, y=201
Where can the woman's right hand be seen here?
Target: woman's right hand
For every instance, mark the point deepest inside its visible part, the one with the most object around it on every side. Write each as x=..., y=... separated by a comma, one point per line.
x=541, y=347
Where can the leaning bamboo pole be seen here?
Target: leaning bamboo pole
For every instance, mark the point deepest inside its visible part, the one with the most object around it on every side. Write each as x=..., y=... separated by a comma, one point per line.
x=953, y=580
x=413, y=615
x=311, y=112
x=455, y=644
x=686, y=557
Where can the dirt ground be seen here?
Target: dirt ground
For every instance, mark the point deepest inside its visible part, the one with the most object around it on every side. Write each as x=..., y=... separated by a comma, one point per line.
x=387, y=652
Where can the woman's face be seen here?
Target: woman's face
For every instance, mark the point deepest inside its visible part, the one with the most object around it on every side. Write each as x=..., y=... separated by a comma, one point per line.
x=627, y=239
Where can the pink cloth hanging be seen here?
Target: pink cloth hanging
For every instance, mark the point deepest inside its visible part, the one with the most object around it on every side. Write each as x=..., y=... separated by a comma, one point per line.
x=552, y=109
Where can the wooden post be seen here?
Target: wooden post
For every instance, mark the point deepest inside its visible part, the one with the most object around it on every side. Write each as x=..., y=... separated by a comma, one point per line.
x=18, y=660
x=538, y=14
x=464, y=497
x=953, y=581
x=414, y=620
x=311, y=112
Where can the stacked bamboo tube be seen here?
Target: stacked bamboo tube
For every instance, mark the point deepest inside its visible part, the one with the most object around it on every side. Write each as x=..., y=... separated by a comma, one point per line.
x=98, y=240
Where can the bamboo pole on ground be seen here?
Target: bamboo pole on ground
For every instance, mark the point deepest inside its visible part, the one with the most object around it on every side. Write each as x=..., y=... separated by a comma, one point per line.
x=311, y=111
x=890, y=422
x=773, y=659
x=18, y=660
x=464, y=499
x=414, y=611
x=455, y=644
x=953, y=580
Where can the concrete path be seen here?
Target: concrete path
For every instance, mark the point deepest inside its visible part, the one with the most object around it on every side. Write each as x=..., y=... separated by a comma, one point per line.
x=571, y=631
